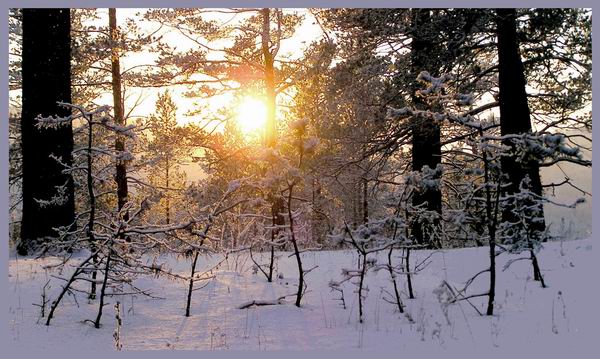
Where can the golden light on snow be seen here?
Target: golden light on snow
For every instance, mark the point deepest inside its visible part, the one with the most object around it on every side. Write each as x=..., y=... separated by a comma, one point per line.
x=251, y=115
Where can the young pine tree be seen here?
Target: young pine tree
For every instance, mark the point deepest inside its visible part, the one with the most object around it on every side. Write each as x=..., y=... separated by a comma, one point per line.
x=165, y=146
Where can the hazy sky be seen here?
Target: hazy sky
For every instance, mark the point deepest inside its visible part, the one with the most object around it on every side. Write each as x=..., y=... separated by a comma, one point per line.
x=308, y=31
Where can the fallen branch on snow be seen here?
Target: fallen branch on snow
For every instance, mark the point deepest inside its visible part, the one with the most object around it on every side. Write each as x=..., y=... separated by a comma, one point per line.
x=261, y=303
x=264, y=302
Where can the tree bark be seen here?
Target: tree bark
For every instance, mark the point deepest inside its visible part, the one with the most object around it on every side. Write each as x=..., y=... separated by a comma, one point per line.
x=168, y=197
x=278, y=203
x=514, y=109
x=92, y=203
x=491, y=208
x=300, y=291
x=268, y=58
x=393, y=279
x=46, y=80
x=191, y=284
x=365, y=201
x=426, y=147
x=103, y=289
x=121, y=166
x=361, y=283
x=411, y=293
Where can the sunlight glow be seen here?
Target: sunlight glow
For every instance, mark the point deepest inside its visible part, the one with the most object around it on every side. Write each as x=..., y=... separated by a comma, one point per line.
x=251, y=115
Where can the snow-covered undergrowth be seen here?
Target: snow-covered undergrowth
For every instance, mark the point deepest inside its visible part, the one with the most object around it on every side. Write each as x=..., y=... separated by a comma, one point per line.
x=526, y=315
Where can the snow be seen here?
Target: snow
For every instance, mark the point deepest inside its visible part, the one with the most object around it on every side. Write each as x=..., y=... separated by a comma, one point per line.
x=310, y=144
x=551, y=320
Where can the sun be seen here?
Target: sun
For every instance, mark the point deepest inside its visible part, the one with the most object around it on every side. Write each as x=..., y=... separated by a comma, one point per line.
x=251, y=115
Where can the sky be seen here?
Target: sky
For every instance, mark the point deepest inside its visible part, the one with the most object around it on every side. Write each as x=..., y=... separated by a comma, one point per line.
x=308, y=31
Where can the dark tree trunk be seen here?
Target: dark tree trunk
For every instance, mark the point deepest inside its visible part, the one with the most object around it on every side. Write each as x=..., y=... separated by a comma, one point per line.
x=103, y=289
x=121, y=170
x=491, y=209
x=271, y=264
x=355, y=199
x=361, y=283
x=92, y=202
x=393, y=279
x=277, y=212
x=188, y=304
x=492, y=291
x=411, y=293
x=514, y=109
x=46, y=81
x=301, y=284
x=365, y=201
x=426, y=147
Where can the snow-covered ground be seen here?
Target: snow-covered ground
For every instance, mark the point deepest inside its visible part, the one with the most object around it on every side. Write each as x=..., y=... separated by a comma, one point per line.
x=527, y=316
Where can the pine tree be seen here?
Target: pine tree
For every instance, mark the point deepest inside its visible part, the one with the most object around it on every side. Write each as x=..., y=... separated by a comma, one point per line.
x=119, y=115
x=46, y=82
x=166, y=146
x=514, y=110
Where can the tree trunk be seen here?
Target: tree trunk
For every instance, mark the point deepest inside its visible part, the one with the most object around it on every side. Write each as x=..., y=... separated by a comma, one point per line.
x=121, y=168
x=46, y=81
x=514, y=109
x=411, y=293
x=278, y=203
x=365, y=201
x=393, y=279
x=492, y=292
x=188, y=304
x=355, y=204
x=271, y=265
x=92, y=203
x=361, y=283
x=103, y=289
x=491, y=209
x=167, y=199
x=426, y=147
x=268, y=58
x=300, y=292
